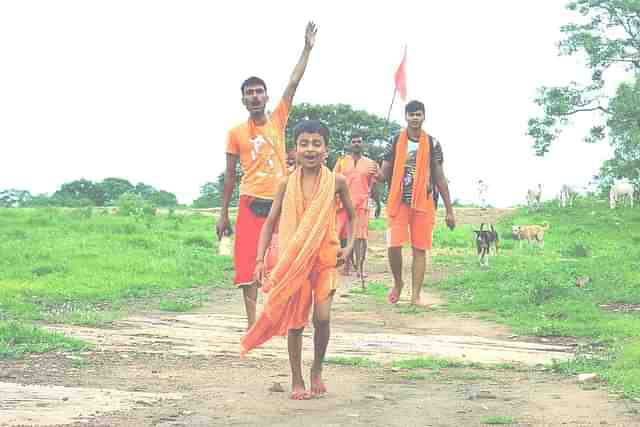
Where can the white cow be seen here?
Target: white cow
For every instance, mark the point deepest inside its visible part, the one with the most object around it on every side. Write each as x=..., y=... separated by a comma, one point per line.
x=568, y=195
x=621, y=190
x=533, y=195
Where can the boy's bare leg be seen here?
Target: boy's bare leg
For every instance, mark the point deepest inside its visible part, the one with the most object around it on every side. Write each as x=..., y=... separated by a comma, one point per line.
x=395, y=262
x=250, y=293
x=294, y=344
x=322, y=332
x=417, y=272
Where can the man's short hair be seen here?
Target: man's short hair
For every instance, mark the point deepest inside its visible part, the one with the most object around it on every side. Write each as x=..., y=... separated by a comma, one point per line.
x=414, y=106
x=356, y=134
x=311, y=126
x=253, y=81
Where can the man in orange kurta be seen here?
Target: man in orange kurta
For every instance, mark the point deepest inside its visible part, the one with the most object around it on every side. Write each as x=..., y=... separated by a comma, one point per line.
x=413, y=161
x=360, y=173
x=308, y=253
x=259, y=145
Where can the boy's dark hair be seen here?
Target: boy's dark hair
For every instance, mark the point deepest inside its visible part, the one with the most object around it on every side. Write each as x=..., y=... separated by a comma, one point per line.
x=311, y=126
x=356, y=134
x=414, y=106
x=253, y=81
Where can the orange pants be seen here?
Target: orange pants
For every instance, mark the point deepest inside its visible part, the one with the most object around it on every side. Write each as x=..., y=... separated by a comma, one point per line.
x=410, y=225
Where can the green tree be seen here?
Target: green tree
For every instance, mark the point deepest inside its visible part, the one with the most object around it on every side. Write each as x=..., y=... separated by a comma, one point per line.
x=113, y=188
x=143, y=190
x=13, y=198
x=342, y=120
x=163, y=199
x=211, y=194
x=607, y=34
x=81, y=192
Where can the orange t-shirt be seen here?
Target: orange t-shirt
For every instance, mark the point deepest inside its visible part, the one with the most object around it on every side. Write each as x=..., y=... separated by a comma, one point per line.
x=358, y=179
x=262, y=157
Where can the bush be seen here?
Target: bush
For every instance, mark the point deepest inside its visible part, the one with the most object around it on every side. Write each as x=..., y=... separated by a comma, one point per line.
x=130, y=204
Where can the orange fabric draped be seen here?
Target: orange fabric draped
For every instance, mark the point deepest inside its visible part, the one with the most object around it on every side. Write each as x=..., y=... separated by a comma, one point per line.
x=307, y=242
x=419, y=198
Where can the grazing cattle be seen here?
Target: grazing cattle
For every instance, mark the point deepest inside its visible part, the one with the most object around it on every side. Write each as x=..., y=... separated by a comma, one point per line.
x=567, y=195
x=533, y=195
x=621, y=190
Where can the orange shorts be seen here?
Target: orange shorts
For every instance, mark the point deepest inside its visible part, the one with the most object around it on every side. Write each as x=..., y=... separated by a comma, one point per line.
x=410, y=225
x=361, y=225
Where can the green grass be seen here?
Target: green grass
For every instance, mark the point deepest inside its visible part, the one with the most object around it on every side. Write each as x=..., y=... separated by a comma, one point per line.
x=178, y=306
x=534, y=290
x=427, y=363
x=378, y=224
x=81, y=267
x=356, y=362
x=17, y=339
x=498, y=420
x=416, y=376
x=376, y=290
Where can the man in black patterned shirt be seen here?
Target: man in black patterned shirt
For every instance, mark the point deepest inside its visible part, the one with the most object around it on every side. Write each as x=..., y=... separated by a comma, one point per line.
x=413, y=162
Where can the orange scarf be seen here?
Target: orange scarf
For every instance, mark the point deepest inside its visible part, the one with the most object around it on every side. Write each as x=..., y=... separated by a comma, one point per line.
x=306, y=243
x=419, y=197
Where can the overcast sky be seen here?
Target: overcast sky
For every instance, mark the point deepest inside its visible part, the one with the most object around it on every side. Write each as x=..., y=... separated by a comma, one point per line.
x=146, y=90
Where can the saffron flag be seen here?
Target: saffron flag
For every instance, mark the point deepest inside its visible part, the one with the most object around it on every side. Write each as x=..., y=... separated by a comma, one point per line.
x=401, y=77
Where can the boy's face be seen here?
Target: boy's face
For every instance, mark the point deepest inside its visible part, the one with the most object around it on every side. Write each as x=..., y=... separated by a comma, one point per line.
x=311, y=149
x=415, y=119
x=255, y=98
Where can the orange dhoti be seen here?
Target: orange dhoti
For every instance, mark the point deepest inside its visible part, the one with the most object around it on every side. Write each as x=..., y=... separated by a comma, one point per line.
x=305, y=270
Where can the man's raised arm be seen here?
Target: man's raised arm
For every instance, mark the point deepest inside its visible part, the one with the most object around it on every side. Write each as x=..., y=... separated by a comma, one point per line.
x=298, y=71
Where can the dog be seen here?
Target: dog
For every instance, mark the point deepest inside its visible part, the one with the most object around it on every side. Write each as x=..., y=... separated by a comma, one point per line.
x=530, y=233
x=484, y=240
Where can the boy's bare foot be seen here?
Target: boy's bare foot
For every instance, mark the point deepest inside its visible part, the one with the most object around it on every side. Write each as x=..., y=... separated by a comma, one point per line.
x=317, y=386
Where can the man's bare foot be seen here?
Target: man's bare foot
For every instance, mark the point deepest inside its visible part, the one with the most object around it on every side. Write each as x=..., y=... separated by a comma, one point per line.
x=317, y=386
x=394, y=294
x=299, y=392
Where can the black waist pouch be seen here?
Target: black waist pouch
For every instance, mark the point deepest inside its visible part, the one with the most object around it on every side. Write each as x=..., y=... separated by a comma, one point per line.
x=260, y=207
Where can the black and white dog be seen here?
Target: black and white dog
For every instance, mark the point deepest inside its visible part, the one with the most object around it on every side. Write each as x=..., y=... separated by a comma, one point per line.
x=484, y=240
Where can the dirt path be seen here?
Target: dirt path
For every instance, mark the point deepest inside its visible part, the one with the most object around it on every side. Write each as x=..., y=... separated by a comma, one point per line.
x=159, y=369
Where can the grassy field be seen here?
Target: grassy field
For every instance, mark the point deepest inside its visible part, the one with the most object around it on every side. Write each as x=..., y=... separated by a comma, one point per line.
x=82, y=266
x=534, y=289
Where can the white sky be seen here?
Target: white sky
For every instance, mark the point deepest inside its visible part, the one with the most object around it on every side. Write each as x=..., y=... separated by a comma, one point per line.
x=146, y=90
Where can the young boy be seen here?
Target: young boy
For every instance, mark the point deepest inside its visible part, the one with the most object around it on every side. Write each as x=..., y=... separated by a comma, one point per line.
x=308, y=254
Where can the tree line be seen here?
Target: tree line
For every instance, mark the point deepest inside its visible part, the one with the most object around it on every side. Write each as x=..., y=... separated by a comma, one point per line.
x=84, y=193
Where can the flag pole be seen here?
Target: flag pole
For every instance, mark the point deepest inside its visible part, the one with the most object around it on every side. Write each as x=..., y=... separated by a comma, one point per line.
x=386, y=125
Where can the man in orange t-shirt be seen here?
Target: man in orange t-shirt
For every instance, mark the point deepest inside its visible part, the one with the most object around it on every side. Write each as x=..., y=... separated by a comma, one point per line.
x=259, y=145
x=360, y=172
